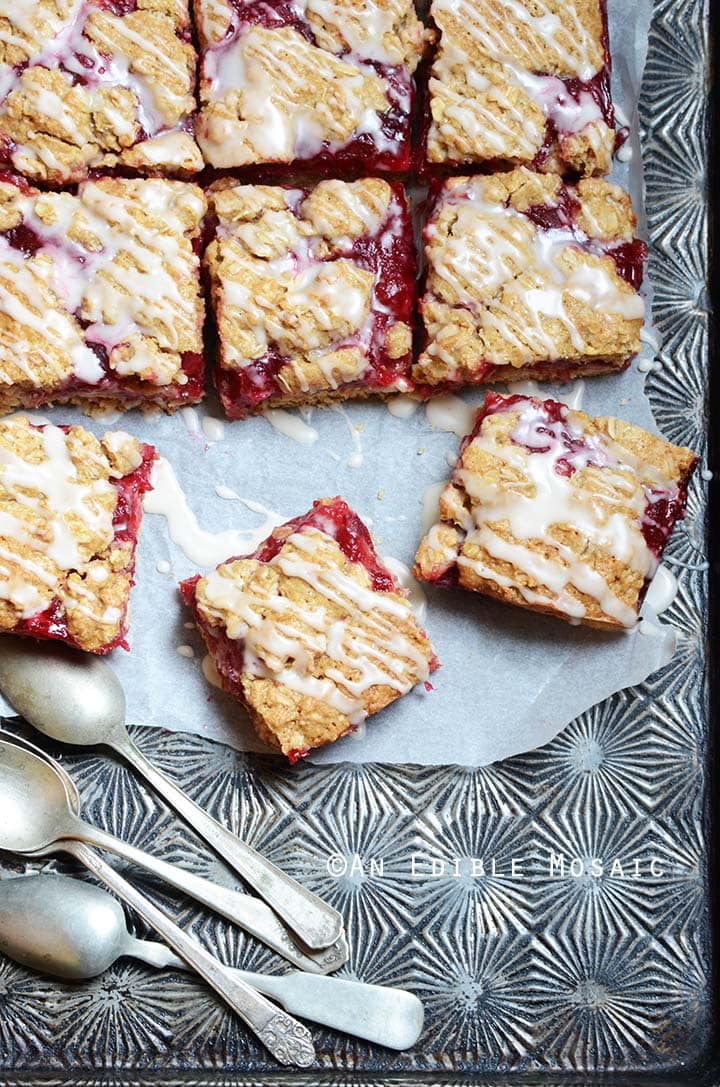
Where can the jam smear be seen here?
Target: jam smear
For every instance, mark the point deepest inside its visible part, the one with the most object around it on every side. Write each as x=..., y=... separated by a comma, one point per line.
x=555, y=216
x=23, y=238
x=663, y=509
x=630, y=258
x=119, y=8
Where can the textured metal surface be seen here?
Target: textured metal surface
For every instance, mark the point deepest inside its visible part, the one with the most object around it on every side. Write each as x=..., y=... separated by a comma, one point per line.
x=530, y=972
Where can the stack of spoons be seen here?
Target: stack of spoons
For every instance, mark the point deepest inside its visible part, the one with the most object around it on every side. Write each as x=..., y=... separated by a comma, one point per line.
x=75, y=930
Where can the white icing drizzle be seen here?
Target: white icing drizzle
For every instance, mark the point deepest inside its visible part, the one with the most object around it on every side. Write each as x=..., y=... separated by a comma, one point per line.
x=365, y=37
x=573, y=396
x=652, y=337
x=430, y=504
x=191, y=420
x=552, y=500
x=186, y=651
x=356, y=458
x=202, y=548
x=367, y=641
x=402, y=406
x=209, y=670
x=404, y=577
x=227, y=493
x=213, y=429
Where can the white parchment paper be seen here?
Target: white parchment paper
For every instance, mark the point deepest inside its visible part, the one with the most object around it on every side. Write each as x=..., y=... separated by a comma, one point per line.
x=509, y=681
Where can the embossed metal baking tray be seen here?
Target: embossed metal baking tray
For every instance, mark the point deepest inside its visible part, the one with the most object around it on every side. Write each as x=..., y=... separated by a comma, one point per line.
x=533, y=966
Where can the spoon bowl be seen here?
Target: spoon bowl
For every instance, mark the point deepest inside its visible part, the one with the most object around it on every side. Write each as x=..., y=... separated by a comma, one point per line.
x=33, y=800
x=60, y=926
x=70, y=696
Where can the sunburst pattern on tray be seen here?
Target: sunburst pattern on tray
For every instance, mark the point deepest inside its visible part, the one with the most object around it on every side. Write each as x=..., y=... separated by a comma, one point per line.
x=538, y=974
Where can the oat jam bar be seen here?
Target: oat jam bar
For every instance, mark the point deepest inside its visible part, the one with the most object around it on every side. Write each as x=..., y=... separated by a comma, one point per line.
x=322, y=83
x=555, y=511
x=99, y=294
x=312, y=633
x=529, y=277
x=521, y=82
x=96, y=84
x=70, y=512
x=312, y=292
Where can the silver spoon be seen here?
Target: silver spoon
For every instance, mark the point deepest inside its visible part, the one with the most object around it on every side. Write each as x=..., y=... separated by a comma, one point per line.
x=77, y=699
x=74, y=930
x=34, y=805
x=249, y=913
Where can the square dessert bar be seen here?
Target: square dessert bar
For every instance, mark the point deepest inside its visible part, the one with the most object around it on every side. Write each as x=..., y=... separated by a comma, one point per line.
x=325, y=83
x=529, y=277
x=521, y=82
x=312, y=291
x=558, y=512
x=96, y=84
x=311, y=633
x=71, y=510
x=99, y=293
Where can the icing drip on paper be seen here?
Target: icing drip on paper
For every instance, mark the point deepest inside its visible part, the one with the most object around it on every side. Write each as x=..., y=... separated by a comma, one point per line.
x=451, y=414
x=203, y=548
x=291, y=425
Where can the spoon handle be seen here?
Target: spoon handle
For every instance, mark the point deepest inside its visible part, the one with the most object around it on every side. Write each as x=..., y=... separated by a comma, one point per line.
x=316, y=923
x=249, y=913
x=288, y=1041
x=376, y=1013
x=386, y=1016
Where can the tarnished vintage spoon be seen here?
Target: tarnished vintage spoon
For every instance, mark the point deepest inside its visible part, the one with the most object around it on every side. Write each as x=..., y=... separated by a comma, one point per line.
x=35, y=813
x=74, y=930
x=77, y=699
x=249, y=913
